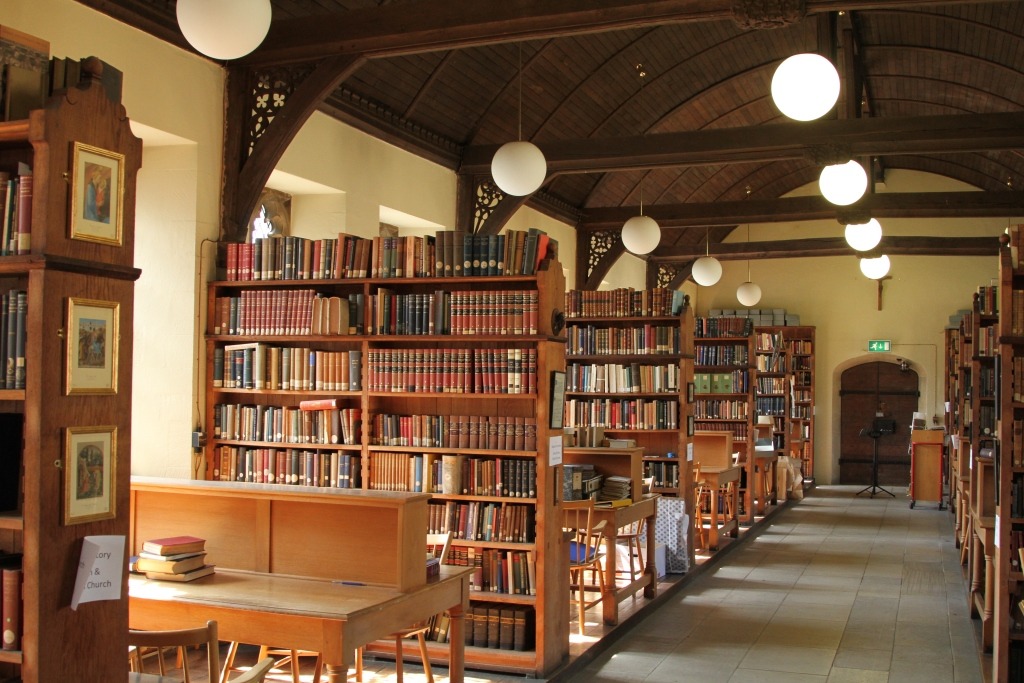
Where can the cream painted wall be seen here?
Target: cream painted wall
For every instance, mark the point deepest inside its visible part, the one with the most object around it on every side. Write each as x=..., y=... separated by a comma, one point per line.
x=177, y=207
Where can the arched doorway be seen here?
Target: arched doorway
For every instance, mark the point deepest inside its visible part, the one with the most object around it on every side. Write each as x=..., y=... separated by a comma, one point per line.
x=876, y=390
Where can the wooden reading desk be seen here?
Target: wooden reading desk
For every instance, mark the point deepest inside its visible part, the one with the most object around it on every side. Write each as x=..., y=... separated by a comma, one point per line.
x=713, y=451
x=646, y=508
x=330, y=617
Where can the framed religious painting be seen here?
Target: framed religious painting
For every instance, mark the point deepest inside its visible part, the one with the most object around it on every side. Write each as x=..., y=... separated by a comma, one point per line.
x=92, y=341
x=97, y=195
x=90, y=462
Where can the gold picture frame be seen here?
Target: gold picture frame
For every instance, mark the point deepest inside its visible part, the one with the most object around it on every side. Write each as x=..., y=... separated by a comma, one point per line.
x=92, y=346
x=90, y=474
x=97, y=195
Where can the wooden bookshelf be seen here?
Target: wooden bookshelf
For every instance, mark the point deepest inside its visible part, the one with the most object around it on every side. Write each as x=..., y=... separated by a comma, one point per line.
x=725, y=375
x=412, y=400
x=37, y=418
x=1008, y=580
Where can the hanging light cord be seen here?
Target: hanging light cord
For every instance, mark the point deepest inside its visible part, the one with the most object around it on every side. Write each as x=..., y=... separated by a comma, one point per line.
x=643, y=174
x=520, y=92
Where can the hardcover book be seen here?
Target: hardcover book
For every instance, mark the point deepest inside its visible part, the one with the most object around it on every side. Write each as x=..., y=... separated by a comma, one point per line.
x=172, y=545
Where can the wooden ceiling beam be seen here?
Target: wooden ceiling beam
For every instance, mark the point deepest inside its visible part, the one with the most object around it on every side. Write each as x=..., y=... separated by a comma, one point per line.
x=773, y=142
x=814, y=207
x=897, y=245
x=432, y=25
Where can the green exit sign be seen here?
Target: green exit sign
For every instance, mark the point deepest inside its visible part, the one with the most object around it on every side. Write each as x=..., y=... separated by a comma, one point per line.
x=879, y=345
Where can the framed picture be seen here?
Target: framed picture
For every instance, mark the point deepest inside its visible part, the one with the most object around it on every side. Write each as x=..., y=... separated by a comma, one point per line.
x=97, y=195
x=689, y=392
x=92, y=335
x=557, y=399
x=90, y=462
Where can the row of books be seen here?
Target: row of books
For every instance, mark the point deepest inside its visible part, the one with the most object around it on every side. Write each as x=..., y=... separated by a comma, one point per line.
x=770, y=362
x=986, y=302
x=511, y=572
x=771, y=385
x=624, y=302
x=665, y=474
x=288, y=467
x=16, y=211
x=447, y=253
x=453, y=474
x=1017, y=444
x=13, y=312
x=768, y=341
x=261, y=366
x=734, y=382
x=721, y=354
x=494, y=312
x=173, y=558
x=1017, y=313
x=483, y=521
x=493, y=432
x=633, y=413
x=11, y=607
x=739, y=430
x=580, y=481
x=500, y=626
x=986, y=341
x=645, y=339
x=453, y=370
x=622, y=378
x=286, y=424
x=770, y=405
x=723, y=326
x=720, y=409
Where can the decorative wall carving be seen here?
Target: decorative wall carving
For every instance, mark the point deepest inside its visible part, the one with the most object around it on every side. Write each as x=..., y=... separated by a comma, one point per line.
x=762, y=14
x=269, y=95
x=668, y=273
x=829, y=154
x=488, y=196
x=601, y=243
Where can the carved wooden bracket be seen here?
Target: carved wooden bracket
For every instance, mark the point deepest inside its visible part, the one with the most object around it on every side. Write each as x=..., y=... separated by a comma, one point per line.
x=482, y=207
x=768, y=13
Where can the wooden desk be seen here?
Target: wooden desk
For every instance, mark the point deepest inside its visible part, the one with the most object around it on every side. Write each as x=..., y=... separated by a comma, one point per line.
x=646, y=508
x=330, y=617
x=715, y=478
x=926, y=473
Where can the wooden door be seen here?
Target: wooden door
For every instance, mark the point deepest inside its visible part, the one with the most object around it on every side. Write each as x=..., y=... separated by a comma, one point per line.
x=869, y=391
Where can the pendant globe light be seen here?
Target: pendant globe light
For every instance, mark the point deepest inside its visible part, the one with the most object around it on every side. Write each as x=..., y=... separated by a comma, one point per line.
x=805, y=87
x=519, y=167
x=875, y=268
x=843, y=184
x=707, y=270
x=641, y=234
x=864, y=236
x=224, y=29
x=749, y=293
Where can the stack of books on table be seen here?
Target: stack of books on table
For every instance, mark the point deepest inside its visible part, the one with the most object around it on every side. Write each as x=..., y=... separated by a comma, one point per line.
x=615, y=492
x=177, y=558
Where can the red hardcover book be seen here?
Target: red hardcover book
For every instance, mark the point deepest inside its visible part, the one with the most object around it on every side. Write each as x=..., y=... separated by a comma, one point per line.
x=11, y=610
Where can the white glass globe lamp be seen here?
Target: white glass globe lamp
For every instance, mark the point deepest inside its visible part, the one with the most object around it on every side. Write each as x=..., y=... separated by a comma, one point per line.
x=843, y=184
x=748, y=293
x=805, y=87
x=641, y=234
x=224, y=29
x=707, y=271
x=864, y=236
x=875, y=268
x=519, y=168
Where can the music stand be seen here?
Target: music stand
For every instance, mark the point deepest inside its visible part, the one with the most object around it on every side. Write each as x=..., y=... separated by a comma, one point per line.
x=879, y=428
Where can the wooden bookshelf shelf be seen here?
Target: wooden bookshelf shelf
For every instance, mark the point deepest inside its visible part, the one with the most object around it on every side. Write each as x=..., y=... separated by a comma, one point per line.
x=12, y=521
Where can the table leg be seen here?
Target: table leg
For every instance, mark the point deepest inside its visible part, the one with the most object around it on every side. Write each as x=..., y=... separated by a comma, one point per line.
x=456, y=643
x=651, y=568
x=713, y=532
x=336, y=673
x=609, y=603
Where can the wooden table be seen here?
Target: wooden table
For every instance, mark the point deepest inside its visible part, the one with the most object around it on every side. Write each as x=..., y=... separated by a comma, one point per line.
x=716, y=478
x=330, y=617
x=646, y=508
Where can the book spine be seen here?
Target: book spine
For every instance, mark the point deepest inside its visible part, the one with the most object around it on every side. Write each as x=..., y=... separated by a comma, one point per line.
x=24, y=229
x=11, y=609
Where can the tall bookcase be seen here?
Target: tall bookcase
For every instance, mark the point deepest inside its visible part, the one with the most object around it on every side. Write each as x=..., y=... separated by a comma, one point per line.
x=629, y=368
x=436, y=384
x=1008, y=580
x=800, y=344
x=71, y=268
x=725, y=376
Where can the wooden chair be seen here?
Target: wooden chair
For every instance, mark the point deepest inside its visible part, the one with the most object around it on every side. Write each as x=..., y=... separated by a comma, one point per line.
x=258, y=673
x=141, y=642
x=631, y=535
x=585, y=539
x=700, y=494
x=438, y=546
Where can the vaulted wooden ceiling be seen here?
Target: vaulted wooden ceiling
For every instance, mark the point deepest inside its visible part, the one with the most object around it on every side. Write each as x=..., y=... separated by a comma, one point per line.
x=927, y=86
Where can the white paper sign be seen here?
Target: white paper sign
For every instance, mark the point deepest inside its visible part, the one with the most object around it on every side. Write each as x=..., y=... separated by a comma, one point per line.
x=555, y=450
x=100, y=569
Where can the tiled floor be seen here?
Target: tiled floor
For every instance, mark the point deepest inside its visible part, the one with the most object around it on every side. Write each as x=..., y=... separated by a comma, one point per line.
x=837, y=589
